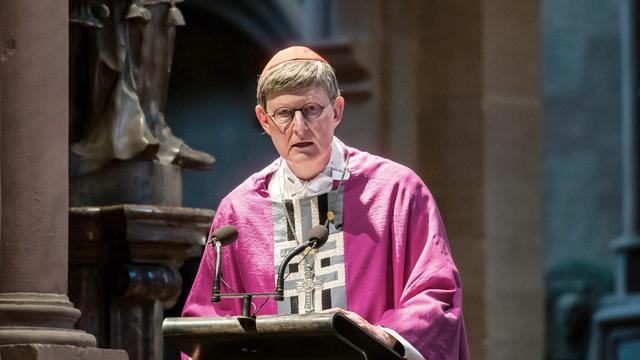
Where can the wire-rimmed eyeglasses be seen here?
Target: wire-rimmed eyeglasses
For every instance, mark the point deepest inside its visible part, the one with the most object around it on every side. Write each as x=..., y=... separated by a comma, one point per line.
x=310, y=111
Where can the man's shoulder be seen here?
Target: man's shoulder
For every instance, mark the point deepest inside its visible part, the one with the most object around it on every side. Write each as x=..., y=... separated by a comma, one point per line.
x=375, y=174
x=375, y=167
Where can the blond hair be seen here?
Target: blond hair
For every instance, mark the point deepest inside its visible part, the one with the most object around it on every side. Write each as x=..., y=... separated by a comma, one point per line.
x=297, y=74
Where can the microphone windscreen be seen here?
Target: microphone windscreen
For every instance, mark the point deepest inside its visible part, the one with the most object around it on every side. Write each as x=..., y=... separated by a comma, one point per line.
x=225, y=234
x=319, y=234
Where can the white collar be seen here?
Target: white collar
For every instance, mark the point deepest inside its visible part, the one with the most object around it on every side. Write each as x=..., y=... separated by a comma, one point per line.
x=285, y=185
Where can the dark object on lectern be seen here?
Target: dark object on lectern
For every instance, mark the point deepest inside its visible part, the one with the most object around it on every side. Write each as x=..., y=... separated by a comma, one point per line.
x=309, y=336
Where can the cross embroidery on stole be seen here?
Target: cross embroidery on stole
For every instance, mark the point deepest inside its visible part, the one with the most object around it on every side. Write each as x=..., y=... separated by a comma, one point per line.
x=307, y=286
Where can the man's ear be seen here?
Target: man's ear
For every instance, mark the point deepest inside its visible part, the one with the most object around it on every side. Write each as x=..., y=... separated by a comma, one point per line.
x=338, y=108
x=263, y=119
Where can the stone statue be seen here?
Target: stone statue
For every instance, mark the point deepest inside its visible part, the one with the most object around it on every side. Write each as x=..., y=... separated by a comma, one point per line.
x=120, y=64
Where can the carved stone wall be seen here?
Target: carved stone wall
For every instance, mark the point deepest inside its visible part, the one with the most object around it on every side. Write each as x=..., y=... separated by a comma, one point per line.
x=124, y=262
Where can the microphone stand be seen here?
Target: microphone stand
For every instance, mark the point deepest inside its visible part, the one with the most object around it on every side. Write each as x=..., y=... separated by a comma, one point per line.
x=215, y=292
x=277, y=295
x=318, y=237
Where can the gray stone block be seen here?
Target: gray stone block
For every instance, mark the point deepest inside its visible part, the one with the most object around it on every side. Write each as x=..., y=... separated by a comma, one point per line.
x=59, y=352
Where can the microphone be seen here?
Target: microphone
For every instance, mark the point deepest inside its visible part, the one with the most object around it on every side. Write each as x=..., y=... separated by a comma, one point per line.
x=317, y=237
x=223, y=235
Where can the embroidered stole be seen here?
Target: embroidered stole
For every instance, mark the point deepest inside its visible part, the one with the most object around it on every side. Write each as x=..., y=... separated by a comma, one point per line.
x=316, y=282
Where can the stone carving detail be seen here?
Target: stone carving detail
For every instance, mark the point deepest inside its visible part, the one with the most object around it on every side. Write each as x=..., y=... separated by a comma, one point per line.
x=124, y=263
x=120, y=59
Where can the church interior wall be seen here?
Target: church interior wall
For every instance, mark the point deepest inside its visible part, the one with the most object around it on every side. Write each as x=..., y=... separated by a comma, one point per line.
x=454, y=89
x=582, y=153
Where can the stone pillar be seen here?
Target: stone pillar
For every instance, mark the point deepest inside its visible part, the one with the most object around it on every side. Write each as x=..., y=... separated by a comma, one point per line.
x=449, y=139
x=34, y=308
x=33, y=267
x=514, y=291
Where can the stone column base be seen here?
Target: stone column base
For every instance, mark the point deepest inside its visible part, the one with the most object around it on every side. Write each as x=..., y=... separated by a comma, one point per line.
x=58, y=352
x=40, y=318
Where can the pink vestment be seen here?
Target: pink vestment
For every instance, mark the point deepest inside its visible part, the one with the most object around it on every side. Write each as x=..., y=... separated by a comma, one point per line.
x=398, y=266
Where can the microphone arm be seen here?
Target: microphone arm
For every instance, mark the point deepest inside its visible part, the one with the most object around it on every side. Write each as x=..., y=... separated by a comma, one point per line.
x=279, y=296
x=215, y=291
x=317, y=237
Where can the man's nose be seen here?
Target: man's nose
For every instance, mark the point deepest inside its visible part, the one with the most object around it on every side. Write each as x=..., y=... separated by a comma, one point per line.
x=299, y=121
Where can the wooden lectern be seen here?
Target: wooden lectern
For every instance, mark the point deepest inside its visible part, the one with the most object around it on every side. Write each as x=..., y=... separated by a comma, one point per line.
x=310, y=336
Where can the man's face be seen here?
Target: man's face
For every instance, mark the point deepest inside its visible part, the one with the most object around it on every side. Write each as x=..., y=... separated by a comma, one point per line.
x=302, y=142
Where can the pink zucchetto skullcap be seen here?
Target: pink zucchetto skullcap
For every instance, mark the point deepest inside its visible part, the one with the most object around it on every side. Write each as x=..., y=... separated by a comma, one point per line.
x=292, y=53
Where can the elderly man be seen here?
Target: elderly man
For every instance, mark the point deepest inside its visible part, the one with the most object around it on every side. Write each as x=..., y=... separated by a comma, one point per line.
x=386, y=265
